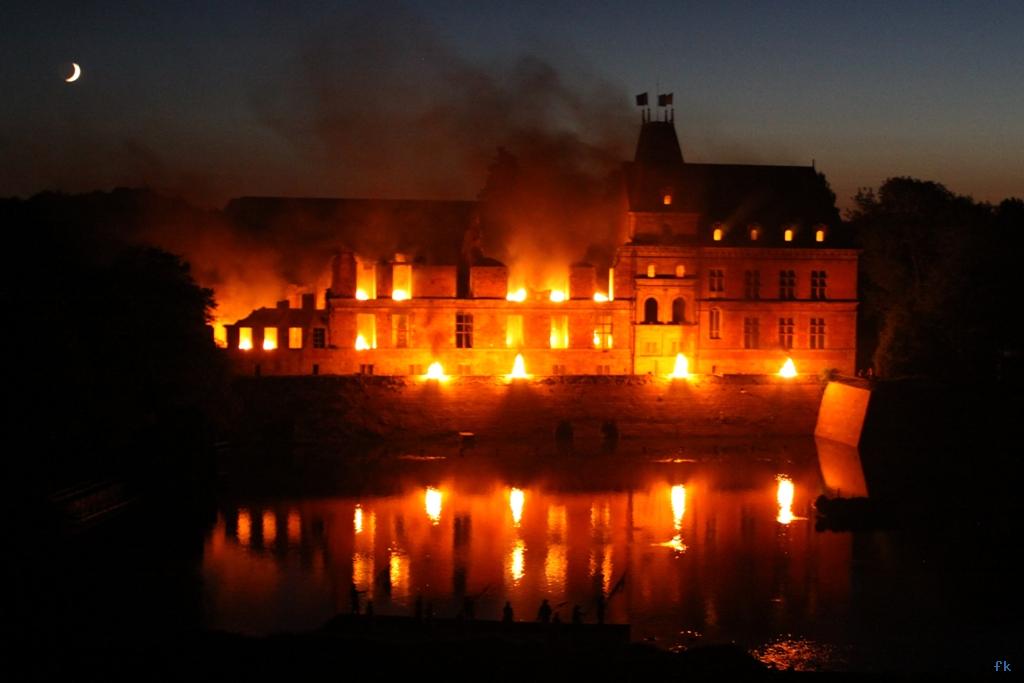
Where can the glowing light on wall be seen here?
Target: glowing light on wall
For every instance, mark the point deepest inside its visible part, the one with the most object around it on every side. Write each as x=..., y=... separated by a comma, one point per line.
x=398, y=572
x=245, y=338
x=518, y=368
x=518, y=295
x=432, y=505
x=269, y=527
x=357, y=519
x=600, y=297
x=682, y=367
x=269, y=338
x=436, y=372
x=516, y=498
x=784, y=496
x=788, y=369
x=558, y=296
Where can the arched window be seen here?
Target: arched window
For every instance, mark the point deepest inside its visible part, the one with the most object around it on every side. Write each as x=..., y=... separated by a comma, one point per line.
x=651, y=310
x=678, y=311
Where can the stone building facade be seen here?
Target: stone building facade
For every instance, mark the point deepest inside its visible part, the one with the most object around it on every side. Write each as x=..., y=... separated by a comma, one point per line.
x=736, y=267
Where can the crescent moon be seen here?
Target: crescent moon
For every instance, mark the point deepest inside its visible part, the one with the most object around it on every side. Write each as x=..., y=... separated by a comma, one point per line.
x=75, y=73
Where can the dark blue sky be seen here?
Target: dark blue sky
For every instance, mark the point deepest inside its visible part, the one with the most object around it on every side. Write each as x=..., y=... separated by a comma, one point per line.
x=411, y=99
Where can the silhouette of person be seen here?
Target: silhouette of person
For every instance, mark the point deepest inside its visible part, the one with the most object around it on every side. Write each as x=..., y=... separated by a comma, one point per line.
x=506, y=613
x=577, y=614
x=544, y=613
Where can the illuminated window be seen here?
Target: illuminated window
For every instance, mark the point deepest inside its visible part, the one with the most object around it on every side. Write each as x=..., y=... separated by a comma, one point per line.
x=651, y=270
x=559, y=332
x=319, y=337
x=245, y=338
x=787, y=284
x=717, y=235
x=651, y=311
x=401, y=281
x=680, y=270
x=294, y=337
x=666, y=199
x=715, y=324
x=400, y=330
x=786, y=333
x=817, y=333
x=366, y=280
x=514, y=332
x=752, y=284
x=755, y=232
x=819, y=279
x=788, y=235
x=751, y=333
x=678, y=311
x=716, y=280
x=269, y=338
x=819, y=235
x=603, y=332
x=366, y=331
x=464, y=330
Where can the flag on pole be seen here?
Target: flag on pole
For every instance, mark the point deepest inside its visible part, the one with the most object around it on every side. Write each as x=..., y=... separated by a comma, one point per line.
x=665, y=100
x=641, y=100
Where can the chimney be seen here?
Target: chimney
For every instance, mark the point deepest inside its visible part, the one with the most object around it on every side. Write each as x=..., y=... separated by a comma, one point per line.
x=343, y=274
x=308, y=302
x=283, y=303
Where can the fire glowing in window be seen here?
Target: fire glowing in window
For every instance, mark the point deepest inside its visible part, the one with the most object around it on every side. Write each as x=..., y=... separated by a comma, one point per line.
x=518, y=368
x=717, y=235
x=294, y=527
x=518, y=295
x=600, y=297
x=244, y=527
x=682, y=367
x=366, y=331
x=269, y=338
x=558, y=296
x=559, y=332
x=652, y=270
x=362, y=295
x=245, y=338
x=269, y=527
x=603, y=332
x=666, y=200
x=516, y=498
x=366, y=281
x=788, y=369
x=788, y=235
x=294, y=337
x=819, y=236
x=401, y=281
x=436, y=372
x=514, y=332
x=784, y=496
x=611, y=284
x=432, y=504
x=754, y=234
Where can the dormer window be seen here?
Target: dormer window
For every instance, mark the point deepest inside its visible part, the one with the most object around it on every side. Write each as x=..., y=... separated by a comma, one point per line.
x=788, y=235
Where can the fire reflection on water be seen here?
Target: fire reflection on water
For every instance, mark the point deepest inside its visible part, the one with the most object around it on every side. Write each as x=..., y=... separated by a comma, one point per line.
x=452, y=539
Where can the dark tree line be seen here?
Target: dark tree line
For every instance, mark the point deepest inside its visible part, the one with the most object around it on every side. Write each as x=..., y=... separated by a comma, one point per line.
x=938, y=280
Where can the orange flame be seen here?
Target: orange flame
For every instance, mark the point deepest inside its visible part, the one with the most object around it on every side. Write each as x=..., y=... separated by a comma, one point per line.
x=600, y=297
x=784, y=496
x=788, y=369
x=361, y=344
x=516, y=498
x=400, y=295
x=436, y=372
x=518, y=368
x=245, y=338
x=682, y=367
x=362, y=295
x=557, y=296
x=269, y=338
x=432, y=505
x=518, y=295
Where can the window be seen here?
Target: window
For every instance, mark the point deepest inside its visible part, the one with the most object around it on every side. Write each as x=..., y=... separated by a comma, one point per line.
x=366, y=280
x=666, y=199
x=269, y=338
x=400, y=329
x=716, y=280
x=818, y=282
x=788, y=235
x=717, y=235
x=366, y=368
x=651, y=270
x=787, y=284
x=755, y=232
x=680, y=270
x=819, y=235
x=463, y=330
x=415, y=369
x=401, y=281
x=514, y=331
x=817, y=333
x=786, y=333
x=715, y=324
x=559, y=332
x=294, y=337
x=651, y=348
x=319, y=337
x=678, y=311
x=651, y=311
x=464, y=369
x=603, y=370
x=752, y=284
x=557, y=369
x=366, y=331
x=751, y=333
x=245, y=338
x=603, y=332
